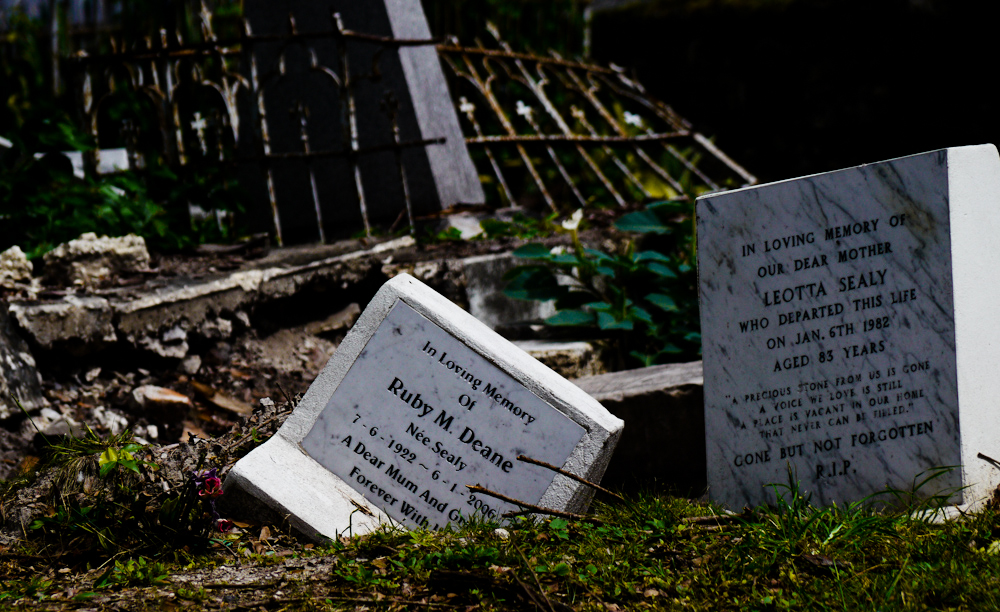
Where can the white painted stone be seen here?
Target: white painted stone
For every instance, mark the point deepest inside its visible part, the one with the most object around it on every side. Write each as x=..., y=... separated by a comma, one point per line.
x=865, y=369
x=410, y=385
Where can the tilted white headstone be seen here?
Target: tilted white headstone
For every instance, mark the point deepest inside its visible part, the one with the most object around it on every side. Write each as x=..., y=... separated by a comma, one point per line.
x=420, y=400
x=850, y=332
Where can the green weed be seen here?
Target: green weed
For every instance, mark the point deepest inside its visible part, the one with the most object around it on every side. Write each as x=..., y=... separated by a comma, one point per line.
x=641, y=299
x=133, y=572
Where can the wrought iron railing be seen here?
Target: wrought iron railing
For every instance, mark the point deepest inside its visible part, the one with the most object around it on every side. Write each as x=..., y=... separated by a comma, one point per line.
x=542, y=129
x=573, y=133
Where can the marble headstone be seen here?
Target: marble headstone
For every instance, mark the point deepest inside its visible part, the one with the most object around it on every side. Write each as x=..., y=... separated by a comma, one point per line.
x=420, y=400
x=849, y=330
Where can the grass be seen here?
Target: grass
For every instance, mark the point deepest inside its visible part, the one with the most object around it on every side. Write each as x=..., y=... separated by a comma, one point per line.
x=650, y=552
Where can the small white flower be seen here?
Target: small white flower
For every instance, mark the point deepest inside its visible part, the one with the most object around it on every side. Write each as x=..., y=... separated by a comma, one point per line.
x=633, y=119
x=465, y=106
x=523, y=109
x=574, y=221
x=559, y=250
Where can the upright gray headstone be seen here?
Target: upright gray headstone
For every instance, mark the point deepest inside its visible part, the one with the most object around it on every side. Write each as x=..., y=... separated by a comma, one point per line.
x=849, y=329
x=420, y=400
x=438, y=175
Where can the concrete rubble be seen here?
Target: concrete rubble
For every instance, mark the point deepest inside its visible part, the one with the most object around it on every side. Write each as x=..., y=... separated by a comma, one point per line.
x=14, y=267
x=91, y=261
x=571, y=359
x=165, y=320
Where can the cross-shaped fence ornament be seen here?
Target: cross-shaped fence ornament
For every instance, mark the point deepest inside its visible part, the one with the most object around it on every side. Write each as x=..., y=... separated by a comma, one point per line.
x=466, y=107
x=199, y=125
x=524, y=110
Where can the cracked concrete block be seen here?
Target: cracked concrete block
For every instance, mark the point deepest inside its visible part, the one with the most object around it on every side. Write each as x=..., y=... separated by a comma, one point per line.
x=663, y=444
x=18, y=375
x=574, y=359
x=91, y=261
x=76, y=321
x=340, y=271
x=487, y=302
x=14, y=267
x=149, y=320
x=171, y=343
x=446, y=276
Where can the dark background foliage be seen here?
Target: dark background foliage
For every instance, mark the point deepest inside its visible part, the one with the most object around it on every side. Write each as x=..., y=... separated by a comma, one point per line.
x=795, y=87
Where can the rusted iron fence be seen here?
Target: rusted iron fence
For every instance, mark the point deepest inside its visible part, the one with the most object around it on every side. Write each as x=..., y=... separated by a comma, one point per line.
x=544, y=131
x=568, y=134
x=208, y=102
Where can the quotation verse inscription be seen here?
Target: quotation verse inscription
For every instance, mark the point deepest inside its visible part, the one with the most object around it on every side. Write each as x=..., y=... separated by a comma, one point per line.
x=420, y=415
x=831, y=303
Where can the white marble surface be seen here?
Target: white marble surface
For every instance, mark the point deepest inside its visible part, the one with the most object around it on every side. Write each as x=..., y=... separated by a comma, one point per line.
x=828, y=322
x=306, y=472
x=420, y=415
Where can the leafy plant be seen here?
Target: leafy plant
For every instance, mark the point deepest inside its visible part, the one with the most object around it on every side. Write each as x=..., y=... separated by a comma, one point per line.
x=42, y=202
x=35, y=587
x=642, y=298
x=520, y=226
x=133, y=572
x=99, y=499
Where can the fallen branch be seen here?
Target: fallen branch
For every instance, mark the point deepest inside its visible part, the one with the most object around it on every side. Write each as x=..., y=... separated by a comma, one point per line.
x=989, y=460
x=712, y=519
x=557, y=470
x=531, y=507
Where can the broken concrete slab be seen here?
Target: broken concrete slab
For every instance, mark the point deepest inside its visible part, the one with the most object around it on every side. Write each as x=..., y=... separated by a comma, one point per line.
x=574, y=359
x=162, y=320
x=487, y=302
x=165, y=320
x=91, y=261
x=18, y=376
x=14, y=267
x=664, y=438
x=73, y=321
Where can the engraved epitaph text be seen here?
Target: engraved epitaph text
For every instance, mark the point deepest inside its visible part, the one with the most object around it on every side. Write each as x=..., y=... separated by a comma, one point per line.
x=420, y=415
x=829, y=338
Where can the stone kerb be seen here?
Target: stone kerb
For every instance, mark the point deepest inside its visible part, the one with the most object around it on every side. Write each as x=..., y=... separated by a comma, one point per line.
x=848, y=325
x=393, y=374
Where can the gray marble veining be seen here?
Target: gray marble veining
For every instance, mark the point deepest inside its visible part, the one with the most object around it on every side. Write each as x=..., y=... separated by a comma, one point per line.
x=828, y=322
x=420, y=415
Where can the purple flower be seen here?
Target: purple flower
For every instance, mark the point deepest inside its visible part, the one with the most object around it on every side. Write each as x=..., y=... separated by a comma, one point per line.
x=224, y=525
x=211, y=487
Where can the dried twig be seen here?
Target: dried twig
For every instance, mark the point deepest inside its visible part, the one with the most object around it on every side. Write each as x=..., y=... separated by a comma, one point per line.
x=533, y=508
x=557, y=470
x=713, y=519
x=259, y=426
x=989, y=460
x=285, y=393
